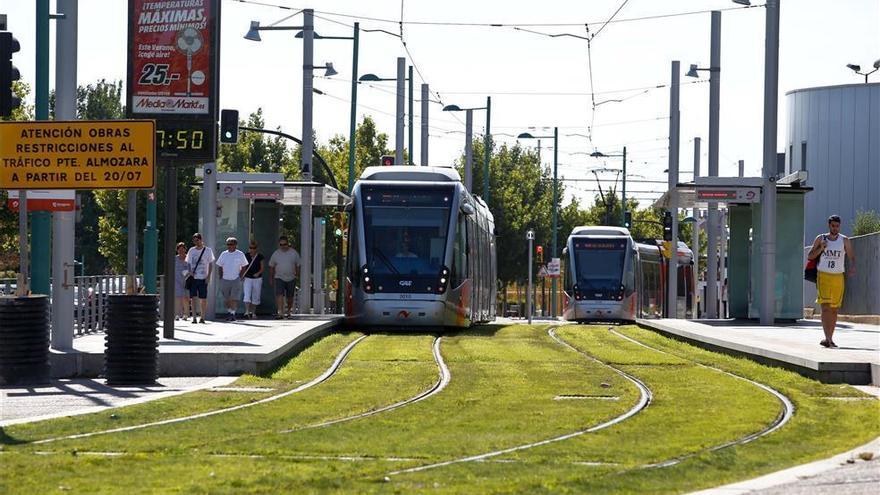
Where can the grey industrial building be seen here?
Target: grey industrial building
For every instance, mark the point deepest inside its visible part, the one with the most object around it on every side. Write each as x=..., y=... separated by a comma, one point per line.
x=834, y=134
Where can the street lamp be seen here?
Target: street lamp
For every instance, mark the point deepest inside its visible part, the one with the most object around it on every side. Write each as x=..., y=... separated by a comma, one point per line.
x=308, y=36
x=468, y=150
x=858, y=69
x=554, y=253
x=599, y=154
x=401, y=82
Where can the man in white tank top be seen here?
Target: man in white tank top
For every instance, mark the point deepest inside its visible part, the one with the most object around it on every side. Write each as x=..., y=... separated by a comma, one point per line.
x=831, y=248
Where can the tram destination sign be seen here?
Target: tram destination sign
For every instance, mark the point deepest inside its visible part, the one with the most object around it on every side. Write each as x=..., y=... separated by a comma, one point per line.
x=728, y=195
x=100, y=154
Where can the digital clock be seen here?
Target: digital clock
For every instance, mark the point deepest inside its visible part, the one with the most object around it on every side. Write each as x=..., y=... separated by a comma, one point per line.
x=186, y=141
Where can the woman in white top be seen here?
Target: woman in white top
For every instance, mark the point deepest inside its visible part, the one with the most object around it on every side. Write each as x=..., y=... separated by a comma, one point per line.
x=831, y=248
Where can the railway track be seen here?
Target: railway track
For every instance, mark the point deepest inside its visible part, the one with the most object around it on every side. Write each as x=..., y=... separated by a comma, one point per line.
x=645, y=397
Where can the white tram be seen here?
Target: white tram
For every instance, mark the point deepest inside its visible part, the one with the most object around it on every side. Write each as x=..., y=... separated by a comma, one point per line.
x=421, y=251
x=610, y=277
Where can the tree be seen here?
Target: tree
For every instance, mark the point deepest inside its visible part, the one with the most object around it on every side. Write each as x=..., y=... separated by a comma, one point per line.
x=867, y=222
x=9, y=261
x=257, y=152
x=371, y=145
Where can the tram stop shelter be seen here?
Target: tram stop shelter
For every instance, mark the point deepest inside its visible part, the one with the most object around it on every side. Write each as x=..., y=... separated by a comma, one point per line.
x=742, y=198
x=252, y=206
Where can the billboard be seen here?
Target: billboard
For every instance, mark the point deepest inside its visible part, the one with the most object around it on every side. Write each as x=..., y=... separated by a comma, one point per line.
x=173, y=72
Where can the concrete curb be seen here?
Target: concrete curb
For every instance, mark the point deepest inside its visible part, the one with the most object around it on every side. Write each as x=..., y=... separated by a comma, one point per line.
x=794, y=474
x=215, y=382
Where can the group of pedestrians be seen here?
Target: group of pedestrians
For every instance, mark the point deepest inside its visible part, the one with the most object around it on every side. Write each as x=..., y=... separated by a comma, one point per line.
x=239, y=273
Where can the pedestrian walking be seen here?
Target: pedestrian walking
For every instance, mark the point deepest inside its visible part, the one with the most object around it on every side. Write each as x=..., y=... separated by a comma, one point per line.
x=830, y=249
x=181, y=271
x=253, y=280
x=201, y=264
x=231, y=264
x=283, y=271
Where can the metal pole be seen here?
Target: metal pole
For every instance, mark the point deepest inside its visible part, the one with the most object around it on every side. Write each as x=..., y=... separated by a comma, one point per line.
x=23, y=276
x=209, y=228
x=306, y=164
x=623, y=189
x=411, y=149
x=468, y=150
x=768, y=204
x=529, y=291
x=742, y=168
x=64, y=222
x=170, y=251
x=41, y=225
x=131, y=265
x=352, y=128
x=695, y=234
x=487, y=149
x=398, y=130
x=151, y=245
x=674, y=118
x=555, y=253
x=712, y=225
x=424, y=140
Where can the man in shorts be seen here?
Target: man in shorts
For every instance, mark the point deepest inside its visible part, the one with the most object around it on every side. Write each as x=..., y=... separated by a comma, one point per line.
x=253, y=280
x=201, y=263
x=831, y=248
x=232, y=264
x=283, y=270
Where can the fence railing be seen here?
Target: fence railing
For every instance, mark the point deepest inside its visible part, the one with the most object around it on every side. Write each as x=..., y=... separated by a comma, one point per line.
x=90, y=299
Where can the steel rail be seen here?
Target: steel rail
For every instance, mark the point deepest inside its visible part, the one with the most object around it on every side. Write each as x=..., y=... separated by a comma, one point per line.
x=781, y=419
x=340, y=358
x=644, y=401
x=441, y=383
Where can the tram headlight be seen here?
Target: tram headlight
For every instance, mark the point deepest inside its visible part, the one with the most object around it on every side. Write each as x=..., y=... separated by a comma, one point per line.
x=442, y=280
x=368, y=286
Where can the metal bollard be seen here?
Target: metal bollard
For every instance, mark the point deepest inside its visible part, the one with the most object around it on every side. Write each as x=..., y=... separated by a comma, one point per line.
x=24, y=340
x=132, y=339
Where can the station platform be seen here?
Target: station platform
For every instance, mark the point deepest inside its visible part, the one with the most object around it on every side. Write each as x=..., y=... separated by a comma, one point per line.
x=793, y=346
x=211, y=349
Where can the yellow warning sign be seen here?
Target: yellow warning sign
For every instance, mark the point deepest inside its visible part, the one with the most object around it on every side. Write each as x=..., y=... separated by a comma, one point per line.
x=82, y=154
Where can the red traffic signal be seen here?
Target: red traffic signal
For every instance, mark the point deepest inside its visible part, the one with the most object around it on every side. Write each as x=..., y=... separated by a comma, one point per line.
x=387, y=160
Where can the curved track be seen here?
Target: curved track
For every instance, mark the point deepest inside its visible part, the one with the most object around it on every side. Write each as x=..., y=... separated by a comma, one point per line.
x=784, y=416
x=442, y=382
x=321, y=378
x=644, y=401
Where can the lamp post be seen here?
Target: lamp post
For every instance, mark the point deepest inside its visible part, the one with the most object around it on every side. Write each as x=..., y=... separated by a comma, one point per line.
x=714, y=70
x=487, y=143
x=554, y=253
x=674, y=127
x=401, y=83
x=858, y=69
x=308, y=36
x=599, y=154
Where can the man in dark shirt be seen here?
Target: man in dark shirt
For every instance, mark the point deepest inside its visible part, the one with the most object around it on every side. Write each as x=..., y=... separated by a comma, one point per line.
x=253, y=280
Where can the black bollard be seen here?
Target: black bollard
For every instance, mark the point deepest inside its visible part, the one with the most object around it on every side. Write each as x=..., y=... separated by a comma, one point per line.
x=131, y=350
x=24, y=340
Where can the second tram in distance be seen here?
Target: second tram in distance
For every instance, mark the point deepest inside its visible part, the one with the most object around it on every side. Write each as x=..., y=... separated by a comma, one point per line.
x=421, y=251
x=611, y=277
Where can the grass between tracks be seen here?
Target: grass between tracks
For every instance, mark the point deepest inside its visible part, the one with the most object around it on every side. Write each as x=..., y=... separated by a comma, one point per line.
x=504, y=382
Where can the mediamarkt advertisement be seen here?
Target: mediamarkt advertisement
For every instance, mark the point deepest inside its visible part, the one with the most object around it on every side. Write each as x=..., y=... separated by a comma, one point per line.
x=171, y=56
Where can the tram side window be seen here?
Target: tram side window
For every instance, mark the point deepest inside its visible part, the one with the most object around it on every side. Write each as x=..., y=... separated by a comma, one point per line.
x=460, y=253
x=566, y=274
x=651, y=294
x=353, y=255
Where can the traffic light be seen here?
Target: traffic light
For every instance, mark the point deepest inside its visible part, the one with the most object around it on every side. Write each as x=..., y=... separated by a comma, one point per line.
x=8, y=74
x=667, y=226
x=667, y=249
x=387, y=160
x=229, y=126
x=628, y=219
x=539, y=254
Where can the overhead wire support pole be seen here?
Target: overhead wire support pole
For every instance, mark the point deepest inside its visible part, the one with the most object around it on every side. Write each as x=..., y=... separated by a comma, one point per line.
x=308, y=32
x=469, y=150
x=352, y=128
x=424, y=140
x=695, y=232
x=674, y=124
x=487, y=149
x=41, y=225
x=714, y=118
x=768, y=204
x=398, y=130
x=410, y=129
x=553, y=284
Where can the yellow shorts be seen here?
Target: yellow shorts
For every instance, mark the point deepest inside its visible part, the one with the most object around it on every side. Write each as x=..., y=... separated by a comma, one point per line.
x=830, y=289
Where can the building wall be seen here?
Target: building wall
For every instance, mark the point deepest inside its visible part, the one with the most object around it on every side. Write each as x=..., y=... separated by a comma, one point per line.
x=862, y=293
x=834, y=133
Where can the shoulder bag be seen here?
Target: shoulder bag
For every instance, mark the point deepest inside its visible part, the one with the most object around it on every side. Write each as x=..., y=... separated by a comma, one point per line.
x=187, y=284
x=811, y=271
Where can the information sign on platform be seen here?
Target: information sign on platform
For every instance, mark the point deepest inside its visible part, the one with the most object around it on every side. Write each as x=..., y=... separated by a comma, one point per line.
x=732, y=195
x=45, y=200
x=101, y=154
x=553, y=267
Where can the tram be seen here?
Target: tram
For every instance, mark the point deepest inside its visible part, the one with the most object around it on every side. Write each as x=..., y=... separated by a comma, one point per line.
x=421, y=251
x=611, y=277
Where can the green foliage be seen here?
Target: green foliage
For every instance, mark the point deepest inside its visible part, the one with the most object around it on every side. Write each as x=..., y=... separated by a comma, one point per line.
x=867, y=222
x=371, y=145
x=9, y=219
x=256, y=152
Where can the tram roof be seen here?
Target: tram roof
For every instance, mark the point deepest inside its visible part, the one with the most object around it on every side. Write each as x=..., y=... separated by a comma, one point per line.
x=411, y=173
x=599, y=230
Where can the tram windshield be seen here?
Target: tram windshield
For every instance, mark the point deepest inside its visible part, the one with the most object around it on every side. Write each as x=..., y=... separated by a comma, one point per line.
x=599, y=263
x=405, y=229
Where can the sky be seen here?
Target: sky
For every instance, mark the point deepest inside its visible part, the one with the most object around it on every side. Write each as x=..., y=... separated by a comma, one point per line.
x=536, y=81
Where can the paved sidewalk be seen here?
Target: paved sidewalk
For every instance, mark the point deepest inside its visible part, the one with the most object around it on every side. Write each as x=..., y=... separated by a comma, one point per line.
x=211, y=349
x=794, y=346
x=82, y=396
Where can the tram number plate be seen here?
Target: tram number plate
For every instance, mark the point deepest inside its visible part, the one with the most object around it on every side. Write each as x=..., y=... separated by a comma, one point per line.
x=406, y=296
